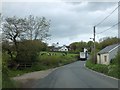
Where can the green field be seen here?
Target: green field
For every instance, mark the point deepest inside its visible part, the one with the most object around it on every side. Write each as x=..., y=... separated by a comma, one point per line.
x=46, y=61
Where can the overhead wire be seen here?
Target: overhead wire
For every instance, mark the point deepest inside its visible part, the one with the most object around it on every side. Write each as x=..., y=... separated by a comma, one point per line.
x=107, y=16
x=108, y=28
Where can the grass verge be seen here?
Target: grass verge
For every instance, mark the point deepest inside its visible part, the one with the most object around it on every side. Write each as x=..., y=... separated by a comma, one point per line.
x=46, y=62
x=110, y=70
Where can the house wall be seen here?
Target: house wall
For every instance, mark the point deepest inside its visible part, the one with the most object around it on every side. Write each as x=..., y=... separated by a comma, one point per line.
x=113, y=53
x=63, y=49
x=98, y=59
x=103, y=59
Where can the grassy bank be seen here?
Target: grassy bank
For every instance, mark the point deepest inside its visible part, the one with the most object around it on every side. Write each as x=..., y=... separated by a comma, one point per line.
x=6, y=81
x=111, y=70
x=46, y=61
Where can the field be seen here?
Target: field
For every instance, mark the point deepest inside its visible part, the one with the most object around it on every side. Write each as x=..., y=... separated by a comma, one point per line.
x=46, y=60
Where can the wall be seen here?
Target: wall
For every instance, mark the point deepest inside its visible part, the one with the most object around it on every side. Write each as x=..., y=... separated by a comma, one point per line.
x=63, y=49
x=101, y=59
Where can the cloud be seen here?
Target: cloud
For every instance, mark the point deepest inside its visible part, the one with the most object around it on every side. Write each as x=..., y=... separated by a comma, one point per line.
x=70, y=21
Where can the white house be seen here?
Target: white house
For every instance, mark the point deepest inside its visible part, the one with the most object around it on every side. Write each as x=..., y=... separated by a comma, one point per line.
x=107, y=54
x=63, y=48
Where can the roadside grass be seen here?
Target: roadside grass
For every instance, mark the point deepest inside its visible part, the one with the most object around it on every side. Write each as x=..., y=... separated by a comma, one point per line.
x=6, y=82
x=46, y=61
x=97, y=67
x=110, y=70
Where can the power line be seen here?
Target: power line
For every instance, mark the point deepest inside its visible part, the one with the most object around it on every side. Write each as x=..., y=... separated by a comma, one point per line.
x=107, y=16
x=108, y=28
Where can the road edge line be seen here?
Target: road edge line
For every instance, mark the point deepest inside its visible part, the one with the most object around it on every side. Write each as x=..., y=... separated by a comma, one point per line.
x=101, y=73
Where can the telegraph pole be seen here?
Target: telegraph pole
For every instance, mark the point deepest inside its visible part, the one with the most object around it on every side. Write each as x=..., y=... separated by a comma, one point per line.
x=94, y=44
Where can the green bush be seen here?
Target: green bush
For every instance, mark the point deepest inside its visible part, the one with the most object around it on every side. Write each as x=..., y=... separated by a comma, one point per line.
x=113, y=71
x=101, y=68
x=6, y=81
x=56, y=60
x=97, y=67
x=49, y=60
x=29, y=51
x=89, y=64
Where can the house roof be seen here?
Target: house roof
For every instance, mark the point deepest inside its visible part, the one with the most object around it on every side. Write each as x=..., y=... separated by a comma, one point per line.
x=109, y=48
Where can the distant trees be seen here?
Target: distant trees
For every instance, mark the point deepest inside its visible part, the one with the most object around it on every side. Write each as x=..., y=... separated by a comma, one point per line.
x=109, y=41
x=78, y=46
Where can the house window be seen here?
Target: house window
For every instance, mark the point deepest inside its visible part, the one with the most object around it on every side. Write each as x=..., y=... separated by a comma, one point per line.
x=105, y=58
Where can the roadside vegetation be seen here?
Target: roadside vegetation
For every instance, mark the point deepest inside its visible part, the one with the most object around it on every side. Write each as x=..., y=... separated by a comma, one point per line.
x=6, y=81
x=45, y=61
x=22, y=40
x=24, y=49
x=111, y=70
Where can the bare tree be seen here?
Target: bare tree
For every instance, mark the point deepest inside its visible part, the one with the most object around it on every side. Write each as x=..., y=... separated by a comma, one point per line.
x=14, y=28
x=31, y=28
x=38, y=28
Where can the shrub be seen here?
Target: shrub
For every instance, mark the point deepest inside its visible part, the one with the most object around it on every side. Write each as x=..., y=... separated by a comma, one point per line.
x=56, y=60
x=38, y=66
x=97, y=67
x=28, y=52
x=89, y=64
x=101, y=68
x=6, y=81
x=113, y=71
x=50, y=60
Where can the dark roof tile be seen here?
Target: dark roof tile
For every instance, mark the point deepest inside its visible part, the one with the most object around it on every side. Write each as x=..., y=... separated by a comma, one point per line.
x=108, y=48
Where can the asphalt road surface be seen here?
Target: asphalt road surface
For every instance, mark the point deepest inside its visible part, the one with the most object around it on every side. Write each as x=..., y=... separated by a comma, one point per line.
x=75, y=75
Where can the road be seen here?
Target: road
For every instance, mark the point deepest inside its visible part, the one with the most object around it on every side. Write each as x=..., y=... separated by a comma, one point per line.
x=75, y=75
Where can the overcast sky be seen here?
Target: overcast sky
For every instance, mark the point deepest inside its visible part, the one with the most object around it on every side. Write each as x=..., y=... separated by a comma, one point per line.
x=70, y=21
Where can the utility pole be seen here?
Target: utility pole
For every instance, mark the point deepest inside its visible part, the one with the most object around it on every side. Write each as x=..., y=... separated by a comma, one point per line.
x=94, y=48
x=94, y=44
